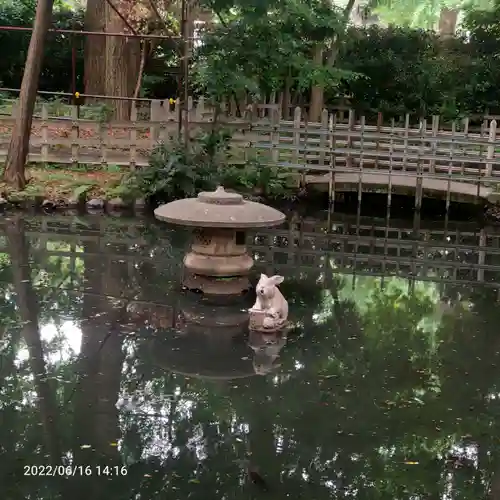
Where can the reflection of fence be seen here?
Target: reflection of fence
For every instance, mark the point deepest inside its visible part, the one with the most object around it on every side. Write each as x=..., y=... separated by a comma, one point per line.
x=447, y=256
x=464, y=155
x=458, y=254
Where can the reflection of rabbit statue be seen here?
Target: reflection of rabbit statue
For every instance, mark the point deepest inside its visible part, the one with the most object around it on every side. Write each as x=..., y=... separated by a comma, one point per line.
x=270, y=302
x=266, y=347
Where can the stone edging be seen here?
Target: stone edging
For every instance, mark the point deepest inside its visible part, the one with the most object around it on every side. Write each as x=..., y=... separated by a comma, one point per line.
x=94, y=205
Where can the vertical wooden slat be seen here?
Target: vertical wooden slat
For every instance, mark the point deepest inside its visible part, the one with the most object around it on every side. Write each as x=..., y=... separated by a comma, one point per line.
x=405, y=143
x=466, y=135
x=351, y=123
x=323, y=131
x=304, y=146
x=155, y=116
x=360, y=190
x=491, y=147
x=45, y=133
x=331, y=145
x=200, y=110
x=75, y=136
x=435, y=129
x=420, y=165
x=450, y=171
x=102, y=134
x=380, y=121
x=275, y=135
x=133, y=136
x=297, y=116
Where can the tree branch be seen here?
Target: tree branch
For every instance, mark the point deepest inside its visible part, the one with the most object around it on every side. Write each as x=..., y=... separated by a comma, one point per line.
x=141, y=69
x=335, y=45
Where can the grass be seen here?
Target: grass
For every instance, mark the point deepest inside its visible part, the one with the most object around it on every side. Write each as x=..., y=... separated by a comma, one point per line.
x=61, y=184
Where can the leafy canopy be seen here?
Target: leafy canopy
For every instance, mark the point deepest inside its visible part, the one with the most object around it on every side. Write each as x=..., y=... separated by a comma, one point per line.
x=255, y=46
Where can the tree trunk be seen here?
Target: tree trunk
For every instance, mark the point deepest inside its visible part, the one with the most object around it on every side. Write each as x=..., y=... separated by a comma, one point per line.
x=447, y=22
x=317, y=91
x=141, y=68
x=19, y=143
x=122, y=64
x=95, y=49
x=28, y=311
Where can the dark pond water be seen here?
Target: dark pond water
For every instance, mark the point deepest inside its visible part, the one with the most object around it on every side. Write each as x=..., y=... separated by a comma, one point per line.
x=385, y=387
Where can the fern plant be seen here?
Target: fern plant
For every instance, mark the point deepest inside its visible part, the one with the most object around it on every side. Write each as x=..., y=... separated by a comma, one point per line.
x=176, y=171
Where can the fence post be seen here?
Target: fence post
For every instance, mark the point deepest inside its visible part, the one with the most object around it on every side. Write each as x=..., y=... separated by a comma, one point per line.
x=155, y=113
x=435, y=128
x=45, y=133
x=466, y=136
x=275, y=136
x=199, y=109
x=491, y=147
x=420, y=169
x=380, y=122
x=350, y=128
x=323, y=137
x=296, y=137
x=405, y=143
x=133, y=135
x=75, y=135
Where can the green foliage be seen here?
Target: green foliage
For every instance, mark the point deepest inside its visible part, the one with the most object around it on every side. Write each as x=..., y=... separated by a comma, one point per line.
x=395, y=71
x=176, y=171
x=415, y=71
x=56, y=70
x=236, y=56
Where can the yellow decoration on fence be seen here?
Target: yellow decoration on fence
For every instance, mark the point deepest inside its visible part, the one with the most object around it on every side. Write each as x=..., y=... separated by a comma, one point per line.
x=77, y=94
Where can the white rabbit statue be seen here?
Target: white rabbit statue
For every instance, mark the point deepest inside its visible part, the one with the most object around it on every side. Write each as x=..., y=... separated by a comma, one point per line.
x=270, y=311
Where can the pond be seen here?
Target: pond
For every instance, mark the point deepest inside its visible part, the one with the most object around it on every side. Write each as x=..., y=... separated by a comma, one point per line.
x=116, y=385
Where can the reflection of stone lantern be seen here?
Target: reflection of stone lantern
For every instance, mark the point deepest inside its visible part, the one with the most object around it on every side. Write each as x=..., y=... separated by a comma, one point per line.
x=210, y=342
x=212, y=319
x=218, y=262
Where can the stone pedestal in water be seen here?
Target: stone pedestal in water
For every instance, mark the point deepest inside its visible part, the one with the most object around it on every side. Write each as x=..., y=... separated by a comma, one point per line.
x=218, y=262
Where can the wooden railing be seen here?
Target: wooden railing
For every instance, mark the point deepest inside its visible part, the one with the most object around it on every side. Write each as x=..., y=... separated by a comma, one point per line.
x=342, y=152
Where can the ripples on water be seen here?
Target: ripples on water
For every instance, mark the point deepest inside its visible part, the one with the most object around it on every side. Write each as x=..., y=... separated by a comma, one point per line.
x=384, y=388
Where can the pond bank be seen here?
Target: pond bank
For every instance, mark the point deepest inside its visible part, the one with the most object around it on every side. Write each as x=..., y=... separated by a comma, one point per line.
x=67, y=189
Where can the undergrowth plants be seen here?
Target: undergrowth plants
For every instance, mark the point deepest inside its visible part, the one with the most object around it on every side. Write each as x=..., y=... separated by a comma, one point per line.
x=179, y=171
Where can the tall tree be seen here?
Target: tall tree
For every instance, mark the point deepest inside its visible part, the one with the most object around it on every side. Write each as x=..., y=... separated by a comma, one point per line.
x=19, y=144
x=95, y=48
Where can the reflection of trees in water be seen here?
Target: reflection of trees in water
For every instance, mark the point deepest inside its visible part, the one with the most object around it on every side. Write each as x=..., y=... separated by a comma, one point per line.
x=369, y=399
x=27, y=303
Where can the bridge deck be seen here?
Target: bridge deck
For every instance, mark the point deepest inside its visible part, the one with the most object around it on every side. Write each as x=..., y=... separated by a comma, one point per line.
x=346, y=181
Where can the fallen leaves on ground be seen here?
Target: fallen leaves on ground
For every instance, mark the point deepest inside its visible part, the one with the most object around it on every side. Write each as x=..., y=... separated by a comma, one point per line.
x=60, y=184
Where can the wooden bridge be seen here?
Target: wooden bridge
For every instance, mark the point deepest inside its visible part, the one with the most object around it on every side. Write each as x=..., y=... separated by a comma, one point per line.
x=455, y=161
x=456, y=254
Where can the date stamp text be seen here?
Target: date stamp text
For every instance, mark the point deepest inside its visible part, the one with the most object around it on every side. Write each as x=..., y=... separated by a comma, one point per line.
x=74, y=470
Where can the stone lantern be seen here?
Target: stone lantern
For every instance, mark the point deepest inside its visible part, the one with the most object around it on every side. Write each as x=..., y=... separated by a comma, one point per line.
x=218, y=262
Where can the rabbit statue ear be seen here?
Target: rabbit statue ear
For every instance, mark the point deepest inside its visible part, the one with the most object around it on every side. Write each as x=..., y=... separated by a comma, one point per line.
x=263, y=276
x=277, y=279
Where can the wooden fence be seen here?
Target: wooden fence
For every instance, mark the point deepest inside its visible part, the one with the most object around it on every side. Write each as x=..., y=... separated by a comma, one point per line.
x=338, y=152
x=456, y=254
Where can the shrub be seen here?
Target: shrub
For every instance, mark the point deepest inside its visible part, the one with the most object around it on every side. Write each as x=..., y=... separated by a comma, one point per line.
x=176, y=171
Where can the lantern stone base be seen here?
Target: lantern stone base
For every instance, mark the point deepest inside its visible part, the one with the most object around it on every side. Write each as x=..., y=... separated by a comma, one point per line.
x=218, y=263
x=216, y=285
